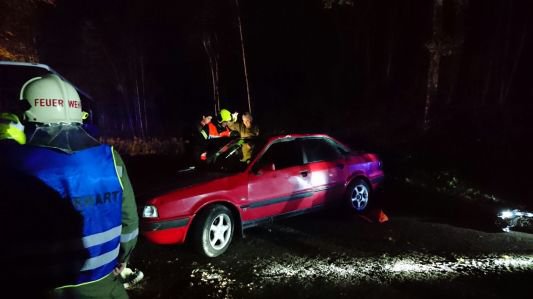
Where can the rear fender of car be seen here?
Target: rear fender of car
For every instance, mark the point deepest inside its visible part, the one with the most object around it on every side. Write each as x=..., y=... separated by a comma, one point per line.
x=357, y=175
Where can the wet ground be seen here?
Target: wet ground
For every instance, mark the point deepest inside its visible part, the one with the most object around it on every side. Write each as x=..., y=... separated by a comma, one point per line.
x=432, y=245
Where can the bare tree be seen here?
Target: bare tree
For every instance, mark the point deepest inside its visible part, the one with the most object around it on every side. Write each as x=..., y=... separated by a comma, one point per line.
x=143, y=94
x=212, y=56
x=441, y=44
x=138, y=111
x=507, y=77
x=459, y=8
x=243, y=57
x=434, y=47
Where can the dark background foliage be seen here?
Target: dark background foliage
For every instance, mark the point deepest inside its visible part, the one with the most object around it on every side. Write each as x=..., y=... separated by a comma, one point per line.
x=450, y=80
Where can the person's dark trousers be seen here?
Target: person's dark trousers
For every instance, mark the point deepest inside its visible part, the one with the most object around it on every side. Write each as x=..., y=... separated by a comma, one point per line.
x=109, y=287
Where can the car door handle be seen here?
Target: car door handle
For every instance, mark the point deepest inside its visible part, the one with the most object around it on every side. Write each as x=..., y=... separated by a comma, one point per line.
x=304, y=173
x=340, y=166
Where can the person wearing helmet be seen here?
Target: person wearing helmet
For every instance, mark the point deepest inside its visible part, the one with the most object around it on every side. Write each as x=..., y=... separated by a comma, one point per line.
x=246, y=129
x=201, y=133
x=11, y=130
x=82, y=225
x=225, y=117
x=202, y=127
x=212, y=130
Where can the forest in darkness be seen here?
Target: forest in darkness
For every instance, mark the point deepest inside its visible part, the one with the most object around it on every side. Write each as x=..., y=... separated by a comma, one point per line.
x=451, y=75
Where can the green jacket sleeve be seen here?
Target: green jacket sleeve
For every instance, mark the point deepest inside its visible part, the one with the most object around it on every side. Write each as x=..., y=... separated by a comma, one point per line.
x=130, y=218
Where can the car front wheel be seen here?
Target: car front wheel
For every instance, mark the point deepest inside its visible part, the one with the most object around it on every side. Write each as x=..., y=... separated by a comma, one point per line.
x=358, y=195
x=213, y=231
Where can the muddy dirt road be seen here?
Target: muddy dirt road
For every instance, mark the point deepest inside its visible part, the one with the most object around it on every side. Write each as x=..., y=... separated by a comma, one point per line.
x=428, y=248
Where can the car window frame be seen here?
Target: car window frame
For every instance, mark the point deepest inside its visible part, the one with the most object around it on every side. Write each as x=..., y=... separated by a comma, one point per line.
x=331, y=143
x=256, y=165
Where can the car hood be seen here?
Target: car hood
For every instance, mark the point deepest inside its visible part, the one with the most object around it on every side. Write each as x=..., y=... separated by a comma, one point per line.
x=182, y=178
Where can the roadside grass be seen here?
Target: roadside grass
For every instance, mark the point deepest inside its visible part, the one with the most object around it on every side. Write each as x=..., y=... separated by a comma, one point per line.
x=451, y=188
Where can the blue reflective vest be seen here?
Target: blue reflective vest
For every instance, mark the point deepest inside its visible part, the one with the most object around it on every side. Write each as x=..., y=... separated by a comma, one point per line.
x=87, y=181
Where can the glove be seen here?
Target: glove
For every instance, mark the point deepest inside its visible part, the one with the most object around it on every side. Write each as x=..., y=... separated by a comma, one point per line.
x=234, y=116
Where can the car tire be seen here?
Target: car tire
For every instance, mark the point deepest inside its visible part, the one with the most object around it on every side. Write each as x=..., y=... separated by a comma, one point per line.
x=358, y=195
x=213, y=231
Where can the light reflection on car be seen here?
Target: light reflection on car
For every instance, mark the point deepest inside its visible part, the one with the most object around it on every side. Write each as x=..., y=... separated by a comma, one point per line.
x=251, y=181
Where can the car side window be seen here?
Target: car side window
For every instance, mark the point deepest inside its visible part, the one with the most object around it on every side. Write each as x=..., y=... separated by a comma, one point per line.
x=318, y=149
x=283, y=154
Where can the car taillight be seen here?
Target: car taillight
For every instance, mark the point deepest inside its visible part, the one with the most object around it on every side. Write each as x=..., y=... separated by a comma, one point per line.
x=150, y=212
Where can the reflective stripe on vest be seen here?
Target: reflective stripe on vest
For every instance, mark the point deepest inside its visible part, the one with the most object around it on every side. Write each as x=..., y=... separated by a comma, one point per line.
x=87, y=181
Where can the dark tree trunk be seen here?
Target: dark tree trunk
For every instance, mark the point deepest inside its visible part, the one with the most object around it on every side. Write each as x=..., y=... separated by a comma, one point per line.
x=212, y=56
x=434, y=48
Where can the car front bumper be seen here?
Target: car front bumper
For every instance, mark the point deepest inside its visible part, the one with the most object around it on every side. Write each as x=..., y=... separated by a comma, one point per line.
x=166, y=231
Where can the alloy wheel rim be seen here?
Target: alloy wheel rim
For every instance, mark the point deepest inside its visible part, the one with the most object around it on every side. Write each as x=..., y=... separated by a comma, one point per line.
x=220, y=231
x=359, y=197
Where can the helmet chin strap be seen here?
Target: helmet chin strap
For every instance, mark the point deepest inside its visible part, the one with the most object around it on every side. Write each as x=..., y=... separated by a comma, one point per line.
x=65, y=137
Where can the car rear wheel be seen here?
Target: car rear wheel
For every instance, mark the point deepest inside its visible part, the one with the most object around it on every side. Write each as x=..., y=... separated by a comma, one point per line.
x=358, y=195
x=213, y=231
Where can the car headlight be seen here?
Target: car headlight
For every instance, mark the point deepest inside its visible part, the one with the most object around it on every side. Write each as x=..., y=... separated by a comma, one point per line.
x=150, y=212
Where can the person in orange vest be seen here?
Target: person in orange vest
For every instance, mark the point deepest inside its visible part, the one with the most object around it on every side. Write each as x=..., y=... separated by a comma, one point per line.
x=212, y=130
x=207, y=129
x=203, y=127
x=199, y=135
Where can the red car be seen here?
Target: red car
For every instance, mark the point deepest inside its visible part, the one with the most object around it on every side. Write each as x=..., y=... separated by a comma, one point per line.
x=252, y=181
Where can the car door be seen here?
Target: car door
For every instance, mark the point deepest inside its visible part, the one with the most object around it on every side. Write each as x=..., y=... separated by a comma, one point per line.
x=326, y=169
x=278, y=183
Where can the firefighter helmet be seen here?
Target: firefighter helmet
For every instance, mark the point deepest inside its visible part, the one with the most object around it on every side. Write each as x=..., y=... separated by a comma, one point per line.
x=225, y=115
x=11, y=128
x=52, y=100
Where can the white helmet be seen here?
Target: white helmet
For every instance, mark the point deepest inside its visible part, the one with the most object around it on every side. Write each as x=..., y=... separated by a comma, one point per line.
x=52, y=100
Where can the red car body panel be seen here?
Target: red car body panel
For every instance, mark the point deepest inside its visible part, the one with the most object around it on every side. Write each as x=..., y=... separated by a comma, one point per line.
x=274, y=193
x=259, y=196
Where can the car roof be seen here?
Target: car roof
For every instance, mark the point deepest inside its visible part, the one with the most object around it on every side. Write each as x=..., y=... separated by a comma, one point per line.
x=30, y=70
x=297, y=135
x=14, y=74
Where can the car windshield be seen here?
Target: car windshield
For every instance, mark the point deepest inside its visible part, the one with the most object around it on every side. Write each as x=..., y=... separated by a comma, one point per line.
x=235, y=155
